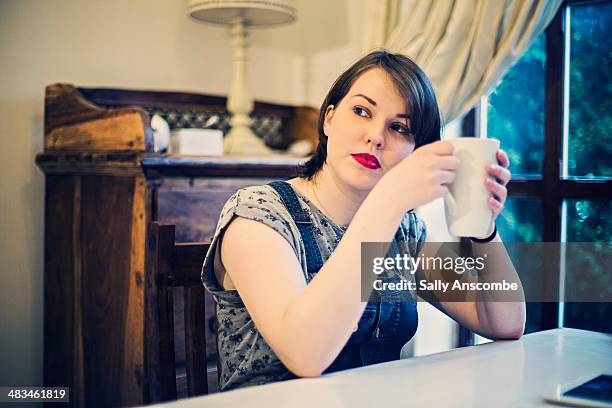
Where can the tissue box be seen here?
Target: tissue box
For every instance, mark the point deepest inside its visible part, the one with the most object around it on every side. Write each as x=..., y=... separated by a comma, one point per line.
x=205, y=142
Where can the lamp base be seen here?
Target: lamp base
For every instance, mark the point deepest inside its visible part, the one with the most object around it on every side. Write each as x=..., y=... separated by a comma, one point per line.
x=241, y=141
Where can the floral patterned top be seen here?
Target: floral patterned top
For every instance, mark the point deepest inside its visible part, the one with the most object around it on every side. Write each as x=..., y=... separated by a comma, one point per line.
x=245, y=357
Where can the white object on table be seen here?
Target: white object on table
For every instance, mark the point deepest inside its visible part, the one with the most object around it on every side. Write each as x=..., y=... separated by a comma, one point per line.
x=498, y=374
x=161, y=133
x=202, y=142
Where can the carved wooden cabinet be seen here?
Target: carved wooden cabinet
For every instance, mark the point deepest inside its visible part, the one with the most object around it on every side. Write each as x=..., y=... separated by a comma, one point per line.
x=102, y=185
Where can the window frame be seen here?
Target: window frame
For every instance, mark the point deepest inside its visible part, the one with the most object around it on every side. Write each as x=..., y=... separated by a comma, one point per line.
x=551, y=188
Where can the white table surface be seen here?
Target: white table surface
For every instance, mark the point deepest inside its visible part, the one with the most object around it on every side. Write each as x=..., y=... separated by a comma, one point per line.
x=503, y=373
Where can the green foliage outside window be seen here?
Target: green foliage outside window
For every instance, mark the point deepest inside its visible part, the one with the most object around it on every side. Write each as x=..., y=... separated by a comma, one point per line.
x=590, y=113
x=589, y=221
x=516, y=111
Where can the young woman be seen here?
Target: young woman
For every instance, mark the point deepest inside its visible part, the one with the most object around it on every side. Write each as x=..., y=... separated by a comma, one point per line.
x=285, y=265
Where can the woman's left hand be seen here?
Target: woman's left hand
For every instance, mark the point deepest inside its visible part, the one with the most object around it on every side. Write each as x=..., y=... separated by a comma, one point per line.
x=501, y=176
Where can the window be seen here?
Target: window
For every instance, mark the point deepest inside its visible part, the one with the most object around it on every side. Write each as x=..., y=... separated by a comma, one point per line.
x=517, y=118
x=590, y=93
x=552, y=114
x=521, y=220
x=588, y=221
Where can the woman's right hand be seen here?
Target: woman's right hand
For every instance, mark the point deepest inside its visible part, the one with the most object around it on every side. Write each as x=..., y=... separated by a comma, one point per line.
x=424, y=175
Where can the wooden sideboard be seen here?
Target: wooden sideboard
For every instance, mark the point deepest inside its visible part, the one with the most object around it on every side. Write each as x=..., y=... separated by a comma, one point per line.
x=102, y=185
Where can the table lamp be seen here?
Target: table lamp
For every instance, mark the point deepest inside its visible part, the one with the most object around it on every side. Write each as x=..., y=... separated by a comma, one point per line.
x=240, y=15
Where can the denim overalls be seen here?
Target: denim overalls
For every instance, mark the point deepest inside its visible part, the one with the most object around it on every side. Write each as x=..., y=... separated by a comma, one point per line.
x=385, y=325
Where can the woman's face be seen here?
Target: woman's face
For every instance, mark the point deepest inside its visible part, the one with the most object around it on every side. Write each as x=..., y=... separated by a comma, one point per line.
x=368, y=131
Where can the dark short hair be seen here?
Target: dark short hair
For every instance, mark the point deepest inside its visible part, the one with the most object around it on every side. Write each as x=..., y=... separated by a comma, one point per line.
x=412, y=84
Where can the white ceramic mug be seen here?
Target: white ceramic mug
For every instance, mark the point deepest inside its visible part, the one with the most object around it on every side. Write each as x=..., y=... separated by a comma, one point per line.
x=467, y=211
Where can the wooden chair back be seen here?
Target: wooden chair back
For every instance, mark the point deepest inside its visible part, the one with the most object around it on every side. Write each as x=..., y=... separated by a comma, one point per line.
x=169, y=265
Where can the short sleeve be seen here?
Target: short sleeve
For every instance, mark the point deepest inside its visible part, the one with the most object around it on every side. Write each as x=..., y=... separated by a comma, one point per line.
x=257, y=203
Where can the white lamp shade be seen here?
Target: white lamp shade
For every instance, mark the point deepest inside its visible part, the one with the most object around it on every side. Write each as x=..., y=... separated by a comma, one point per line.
x=255, y=12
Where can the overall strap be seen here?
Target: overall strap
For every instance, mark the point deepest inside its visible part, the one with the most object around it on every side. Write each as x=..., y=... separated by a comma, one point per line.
x=314, y=262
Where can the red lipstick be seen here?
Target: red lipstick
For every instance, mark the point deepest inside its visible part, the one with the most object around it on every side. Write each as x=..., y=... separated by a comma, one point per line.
x=366, y=160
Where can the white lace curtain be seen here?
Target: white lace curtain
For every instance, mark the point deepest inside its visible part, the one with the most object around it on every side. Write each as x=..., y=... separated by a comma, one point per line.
x=464, y=46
